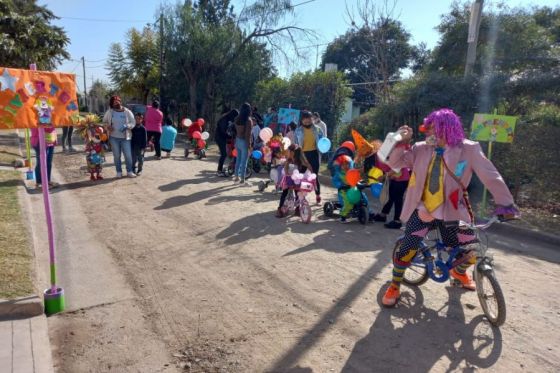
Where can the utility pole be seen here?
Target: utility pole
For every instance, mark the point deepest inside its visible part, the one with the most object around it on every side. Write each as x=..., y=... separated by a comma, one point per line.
x=85, y=88
x=472, y=39
x=161, y=60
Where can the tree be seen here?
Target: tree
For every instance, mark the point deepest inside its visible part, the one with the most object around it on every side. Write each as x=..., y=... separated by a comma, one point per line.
x=98, y=95
x=27, y=36
x=135, y=70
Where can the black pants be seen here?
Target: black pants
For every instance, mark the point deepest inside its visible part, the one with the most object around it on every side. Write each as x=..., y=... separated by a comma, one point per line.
x=396, y=196
x=137, y=156
x=284, y=196
x=67, y=136
x=156, y=136
x=223, y=154
x=313, y=159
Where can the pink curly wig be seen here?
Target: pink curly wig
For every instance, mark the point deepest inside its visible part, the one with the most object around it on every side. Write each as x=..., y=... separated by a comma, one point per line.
x=447, y=125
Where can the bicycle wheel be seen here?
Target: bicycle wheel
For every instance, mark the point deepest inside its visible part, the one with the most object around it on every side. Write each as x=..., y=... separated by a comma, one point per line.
x=363, y=215
x=328, y=209
x=491, y=297
x=305, y=211
x=417, y=273
x=288, y=203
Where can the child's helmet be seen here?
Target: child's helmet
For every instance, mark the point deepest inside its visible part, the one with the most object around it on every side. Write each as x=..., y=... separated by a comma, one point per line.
x=349, y=145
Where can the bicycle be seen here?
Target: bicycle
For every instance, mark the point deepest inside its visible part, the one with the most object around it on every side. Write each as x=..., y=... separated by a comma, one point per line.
x=436, y=260
x=290, y=204
x=359, y=211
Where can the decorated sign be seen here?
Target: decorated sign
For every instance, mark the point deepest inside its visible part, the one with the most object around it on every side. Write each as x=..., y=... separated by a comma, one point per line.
x=286, y=116
x=493, y=128
x=29, y=98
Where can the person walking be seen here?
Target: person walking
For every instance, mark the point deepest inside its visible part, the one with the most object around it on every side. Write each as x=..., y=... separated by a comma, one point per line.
x=153, y=122
x=50, y=142
x=243, y=127
x=138, y=142
x=221, y=137
x=307, y=135
x=67, y=139
x=119, y=121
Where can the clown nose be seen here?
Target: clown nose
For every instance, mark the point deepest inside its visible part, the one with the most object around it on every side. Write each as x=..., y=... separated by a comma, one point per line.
x=422, y=128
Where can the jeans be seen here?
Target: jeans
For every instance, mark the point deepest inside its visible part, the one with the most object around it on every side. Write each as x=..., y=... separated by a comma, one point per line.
x=156, y=136
x=242, y=157
x=67, y=136
x=137, y=157
x=50, y=152
x=223, y=154
x=120, y=144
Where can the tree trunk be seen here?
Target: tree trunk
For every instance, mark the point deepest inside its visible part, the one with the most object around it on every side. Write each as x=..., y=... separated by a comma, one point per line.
x=192, y=98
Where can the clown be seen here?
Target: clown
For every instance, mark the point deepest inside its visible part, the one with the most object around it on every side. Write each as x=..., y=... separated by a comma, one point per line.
x=94, y=135
x=44, y=108
x=442, y=167
x=340, y=167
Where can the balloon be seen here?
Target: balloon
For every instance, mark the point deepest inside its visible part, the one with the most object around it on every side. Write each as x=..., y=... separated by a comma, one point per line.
x=196, y=135
x=186, y=122
x=205, y=135
x=257, y=154
x=354, y=195
x=375, y=173
x=287, y=142
x=201, y=122
x=324, y=145
x=103, y=137
x=234, y=153
x=376, y=189
x=352, y=177
x=201, y=143
x=349, y=145
x=265, y=134
x=297, y=177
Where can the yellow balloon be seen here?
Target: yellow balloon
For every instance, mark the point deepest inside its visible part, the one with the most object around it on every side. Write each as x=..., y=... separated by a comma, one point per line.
x=375, y=173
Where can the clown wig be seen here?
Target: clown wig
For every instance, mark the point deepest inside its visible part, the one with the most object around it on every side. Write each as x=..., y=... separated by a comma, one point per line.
x=447, y=125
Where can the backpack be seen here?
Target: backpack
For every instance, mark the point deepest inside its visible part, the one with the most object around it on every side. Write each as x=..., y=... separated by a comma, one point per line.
x=231, y=131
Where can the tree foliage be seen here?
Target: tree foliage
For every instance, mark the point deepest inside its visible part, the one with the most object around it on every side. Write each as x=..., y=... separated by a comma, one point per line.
x=27, y=36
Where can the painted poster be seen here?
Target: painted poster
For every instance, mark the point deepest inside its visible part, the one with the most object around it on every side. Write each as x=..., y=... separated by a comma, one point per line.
x=491, y=127
x=286, y=116
x=29, y=98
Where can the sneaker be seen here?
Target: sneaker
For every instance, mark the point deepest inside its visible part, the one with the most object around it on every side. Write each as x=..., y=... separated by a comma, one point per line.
x=72, y=150
x=391, y=296
x=318, y=199
x=119, y=175
x=64, y=150
x=139, y=173
x=379, y=217
x=371, y=217
x=52, y=185
x=464, y=278
x=395, y=224
x=279, y=213
x=158, y=158
x=236, y=179
x=343, y=220
x=130, y=174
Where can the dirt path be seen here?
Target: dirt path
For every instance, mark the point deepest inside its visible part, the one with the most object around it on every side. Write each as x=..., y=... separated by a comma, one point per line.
x=225, y=286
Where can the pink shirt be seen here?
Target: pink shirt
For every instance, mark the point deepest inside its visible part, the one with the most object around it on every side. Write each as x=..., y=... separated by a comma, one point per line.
x=50, y=137
x=153, y=119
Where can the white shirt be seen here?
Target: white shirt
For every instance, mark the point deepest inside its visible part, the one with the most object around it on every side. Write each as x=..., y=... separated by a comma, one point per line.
x=322, y=125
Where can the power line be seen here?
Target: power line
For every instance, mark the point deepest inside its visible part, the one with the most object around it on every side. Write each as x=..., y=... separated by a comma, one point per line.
x=105, y=20
x=95, y=67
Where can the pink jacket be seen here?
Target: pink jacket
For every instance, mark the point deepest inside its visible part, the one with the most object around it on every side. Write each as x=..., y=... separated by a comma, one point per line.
x=153, y=119
x=50, y=137
x=463, y=160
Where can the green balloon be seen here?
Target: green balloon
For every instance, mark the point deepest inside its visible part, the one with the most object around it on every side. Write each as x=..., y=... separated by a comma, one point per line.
x=353, y=195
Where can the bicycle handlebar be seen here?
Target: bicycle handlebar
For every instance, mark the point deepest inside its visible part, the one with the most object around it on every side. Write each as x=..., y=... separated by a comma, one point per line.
x=496, y=219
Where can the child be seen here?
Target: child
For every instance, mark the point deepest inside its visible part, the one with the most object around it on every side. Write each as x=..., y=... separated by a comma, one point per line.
x=294, y=160
x=341, y=165
x=168, y=135
x=138, y=143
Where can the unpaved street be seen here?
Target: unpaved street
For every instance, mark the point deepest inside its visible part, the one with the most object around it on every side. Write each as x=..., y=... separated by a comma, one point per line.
x=181, y=270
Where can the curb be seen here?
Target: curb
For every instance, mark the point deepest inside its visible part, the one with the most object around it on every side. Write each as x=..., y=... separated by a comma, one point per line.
x=24, y=307
x=512, y=230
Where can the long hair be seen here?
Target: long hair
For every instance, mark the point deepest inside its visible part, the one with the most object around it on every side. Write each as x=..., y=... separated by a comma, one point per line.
x=299, y=156
x=244, y=114
x=447, y=125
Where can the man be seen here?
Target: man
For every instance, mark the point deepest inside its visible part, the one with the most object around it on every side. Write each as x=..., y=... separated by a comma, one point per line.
x=318, y=122
x=307, y=135
x=435, y=193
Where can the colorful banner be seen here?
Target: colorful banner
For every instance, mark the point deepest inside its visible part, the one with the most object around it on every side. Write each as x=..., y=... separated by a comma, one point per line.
x=494, y=128
x=286, y=116
x=29, y=98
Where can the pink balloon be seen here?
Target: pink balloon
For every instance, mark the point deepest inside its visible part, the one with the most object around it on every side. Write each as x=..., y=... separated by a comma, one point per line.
x=196, y=135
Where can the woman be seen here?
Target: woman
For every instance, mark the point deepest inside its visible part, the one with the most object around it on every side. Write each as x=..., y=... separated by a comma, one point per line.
x=67, y=139
x=221, y=137
x=153, y=121
x=307, y=136
x=119, y=121
x=243, y=127
x=50, y=142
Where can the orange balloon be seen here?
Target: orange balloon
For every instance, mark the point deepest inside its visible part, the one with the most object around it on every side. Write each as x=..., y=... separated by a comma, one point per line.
x=103, y=137
x=234, y=153
x=353, y=177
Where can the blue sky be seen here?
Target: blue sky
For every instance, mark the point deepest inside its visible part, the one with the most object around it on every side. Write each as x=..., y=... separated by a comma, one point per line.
x=327, y=18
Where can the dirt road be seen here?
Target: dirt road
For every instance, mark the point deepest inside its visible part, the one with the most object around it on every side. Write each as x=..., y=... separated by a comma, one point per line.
x=214, y=282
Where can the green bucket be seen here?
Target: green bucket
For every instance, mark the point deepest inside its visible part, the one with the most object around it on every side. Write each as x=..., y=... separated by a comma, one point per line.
x=54, y=301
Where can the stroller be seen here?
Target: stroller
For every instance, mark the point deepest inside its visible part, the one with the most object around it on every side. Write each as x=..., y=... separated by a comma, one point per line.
x=360, y=209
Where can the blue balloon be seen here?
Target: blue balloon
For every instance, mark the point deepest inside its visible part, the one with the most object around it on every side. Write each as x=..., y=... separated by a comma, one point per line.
x=324, y=145
x=376, y=189
x=257, y=154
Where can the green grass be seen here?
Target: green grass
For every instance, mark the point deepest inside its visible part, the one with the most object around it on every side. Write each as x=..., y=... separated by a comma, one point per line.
x=15, y=251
